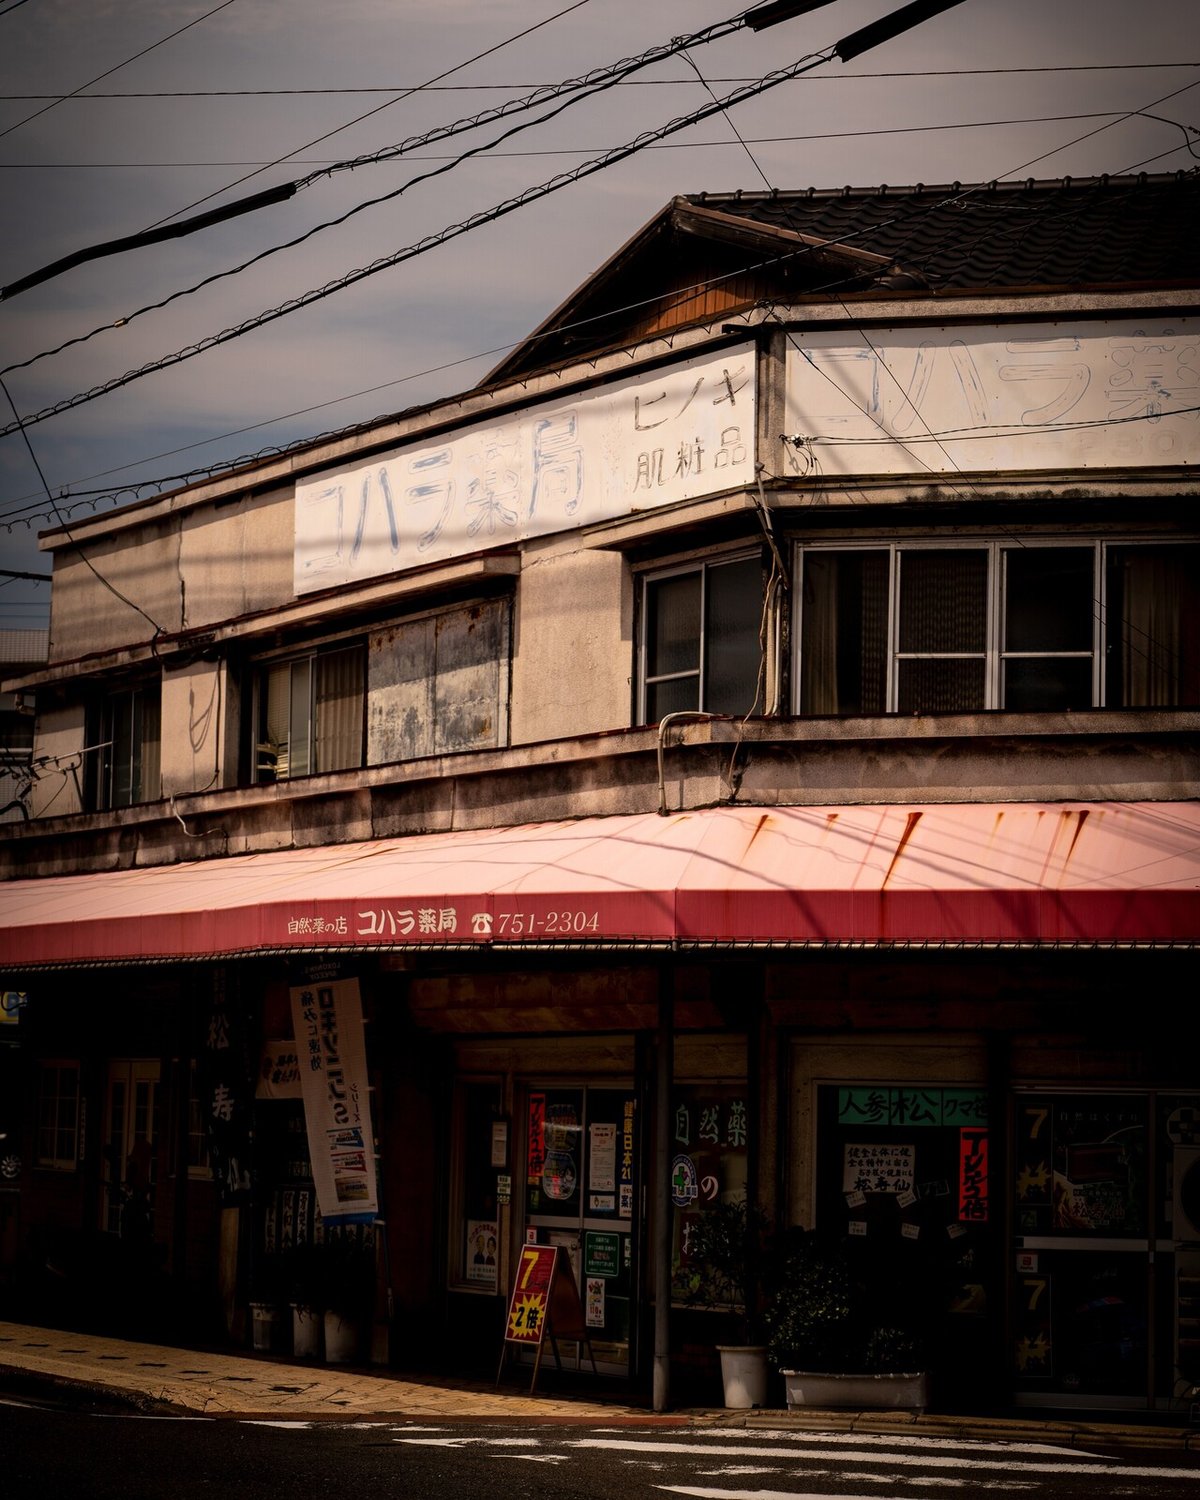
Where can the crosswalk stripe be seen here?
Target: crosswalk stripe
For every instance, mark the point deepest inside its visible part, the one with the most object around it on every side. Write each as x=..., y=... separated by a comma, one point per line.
x=1085, y=1467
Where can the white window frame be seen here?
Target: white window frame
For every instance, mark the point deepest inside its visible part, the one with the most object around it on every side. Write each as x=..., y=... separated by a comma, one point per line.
x=700, y=565
x=995, y=655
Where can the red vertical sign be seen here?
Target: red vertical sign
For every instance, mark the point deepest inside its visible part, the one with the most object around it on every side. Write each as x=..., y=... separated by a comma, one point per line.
x=973, y=1175
x=536, y=1159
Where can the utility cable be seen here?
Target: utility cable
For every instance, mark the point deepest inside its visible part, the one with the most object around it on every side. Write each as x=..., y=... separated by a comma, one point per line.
x=574, y=89
x=82, y=553
x=641, y=83
x=61, y=99
x=1039, y=218
x=407, y=93
x=430, y=242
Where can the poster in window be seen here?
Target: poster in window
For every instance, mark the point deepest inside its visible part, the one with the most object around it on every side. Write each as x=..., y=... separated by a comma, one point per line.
x=482, y=1243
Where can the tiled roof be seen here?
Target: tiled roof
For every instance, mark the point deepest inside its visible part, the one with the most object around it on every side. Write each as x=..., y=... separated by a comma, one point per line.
x=1096, y=231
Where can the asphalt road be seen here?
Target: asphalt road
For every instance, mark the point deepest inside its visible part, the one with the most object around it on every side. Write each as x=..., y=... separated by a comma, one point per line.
x=91, y=1455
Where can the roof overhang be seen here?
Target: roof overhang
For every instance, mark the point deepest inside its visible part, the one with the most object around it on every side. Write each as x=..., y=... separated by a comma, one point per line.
x=960, y=875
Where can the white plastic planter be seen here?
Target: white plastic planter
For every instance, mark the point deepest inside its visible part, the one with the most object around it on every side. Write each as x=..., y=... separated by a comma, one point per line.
x=306, y=1333
x=744, y=1375
x=341, y=1340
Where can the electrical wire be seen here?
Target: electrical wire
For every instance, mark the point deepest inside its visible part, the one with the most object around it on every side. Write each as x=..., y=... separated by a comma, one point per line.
x=641, y=83
x=1038, y=218
x=82, y=553
x=430, y=242
x=761, y=140
x=405, y=94
x=62, y=98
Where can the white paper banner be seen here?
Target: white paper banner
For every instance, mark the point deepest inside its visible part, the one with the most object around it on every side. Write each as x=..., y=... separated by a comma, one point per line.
x=327, y=1017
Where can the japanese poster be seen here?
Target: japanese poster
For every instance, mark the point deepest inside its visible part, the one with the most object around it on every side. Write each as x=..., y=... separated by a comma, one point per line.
x=327, y=1015
x=278, y=1071
x=878, y=1168
x=482, y=1243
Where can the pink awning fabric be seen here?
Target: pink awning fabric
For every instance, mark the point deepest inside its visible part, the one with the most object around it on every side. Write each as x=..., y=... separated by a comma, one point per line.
x=964, y=874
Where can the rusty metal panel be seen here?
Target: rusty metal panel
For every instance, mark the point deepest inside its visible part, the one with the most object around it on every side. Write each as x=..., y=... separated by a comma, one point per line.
x=439, y=684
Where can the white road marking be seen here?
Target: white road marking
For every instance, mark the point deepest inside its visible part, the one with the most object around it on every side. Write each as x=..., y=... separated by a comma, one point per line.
x=466, y=1442
x=534, y=1458
x=1084, y=1467
x=898, y=1440
x=266, y=1422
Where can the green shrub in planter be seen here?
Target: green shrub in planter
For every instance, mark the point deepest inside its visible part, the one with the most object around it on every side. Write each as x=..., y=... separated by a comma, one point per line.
x=821, y=1317
x=728, y=1263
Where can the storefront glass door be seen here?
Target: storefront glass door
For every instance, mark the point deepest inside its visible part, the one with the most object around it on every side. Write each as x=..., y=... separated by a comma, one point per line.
x=1104, y=1249
x=130, y=1126
x=581, y=1194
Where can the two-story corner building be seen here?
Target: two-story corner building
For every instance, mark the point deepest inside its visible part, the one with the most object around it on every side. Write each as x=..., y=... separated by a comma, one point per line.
x=749, y=745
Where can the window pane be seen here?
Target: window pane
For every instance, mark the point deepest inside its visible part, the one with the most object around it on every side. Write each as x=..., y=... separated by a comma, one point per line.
x=843, y=644
x=121, y=751
x=674, y=696
x=673, y=625
x=732, y=650
x=149, y=787
x=1044, y=683
x=940, y=686
x=943, y=600
x=299, y=718
x=339, y=710
x=1153, y=626
x=1049, y=600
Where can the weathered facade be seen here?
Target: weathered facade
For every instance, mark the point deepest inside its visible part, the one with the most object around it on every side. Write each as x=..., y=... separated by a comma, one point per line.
x=747, y=746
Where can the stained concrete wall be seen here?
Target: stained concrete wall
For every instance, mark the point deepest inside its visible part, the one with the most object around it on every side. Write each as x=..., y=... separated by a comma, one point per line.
x=572, y=644
x=439, y=684
x=59, y=736
x=195, y=721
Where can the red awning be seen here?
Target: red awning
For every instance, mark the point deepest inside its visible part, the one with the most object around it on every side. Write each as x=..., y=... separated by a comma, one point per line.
x=962, y=874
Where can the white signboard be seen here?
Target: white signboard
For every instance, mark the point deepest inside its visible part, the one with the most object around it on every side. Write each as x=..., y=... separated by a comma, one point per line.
x=1031, y=396
x=327, y=1018
x=647, y=441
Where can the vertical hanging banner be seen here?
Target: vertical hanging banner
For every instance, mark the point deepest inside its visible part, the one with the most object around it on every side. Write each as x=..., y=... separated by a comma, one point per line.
x=327, y=1017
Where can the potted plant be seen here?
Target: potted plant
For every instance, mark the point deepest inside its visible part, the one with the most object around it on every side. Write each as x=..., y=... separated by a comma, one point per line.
x=830, y=1340
x=306, y=1291
x=348, y=1290
x=726, y=1252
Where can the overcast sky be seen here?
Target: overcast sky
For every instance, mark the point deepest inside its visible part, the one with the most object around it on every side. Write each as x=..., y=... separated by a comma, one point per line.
x=111, y=161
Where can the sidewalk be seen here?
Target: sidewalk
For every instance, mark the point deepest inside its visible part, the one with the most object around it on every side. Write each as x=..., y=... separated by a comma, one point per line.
x=157, y=1379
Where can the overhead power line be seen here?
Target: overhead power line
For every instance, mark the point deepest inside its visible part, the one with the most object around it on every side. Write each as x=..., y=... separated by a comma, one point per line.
x=108, y=72
x=1041, y=221
x=631, y=83
x=850, y=46
x=430, y=242
x=573, y=89
x=755, y=140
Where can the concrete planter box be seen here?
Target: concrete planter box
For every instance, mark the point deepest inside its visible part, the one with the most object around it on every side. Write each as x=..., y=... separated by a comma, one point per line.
x=816, y=1388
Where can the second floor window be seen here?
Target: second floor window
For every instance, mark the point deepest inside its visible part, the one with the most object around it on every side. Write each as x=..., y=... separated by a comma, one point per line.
x=1030, y=627
x=129, y=757
x=700, y=638
x=308, y=714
